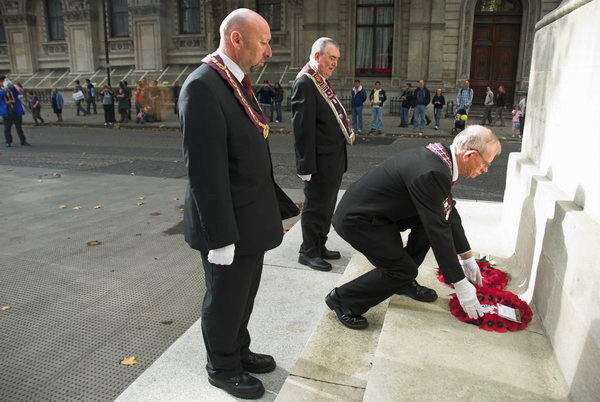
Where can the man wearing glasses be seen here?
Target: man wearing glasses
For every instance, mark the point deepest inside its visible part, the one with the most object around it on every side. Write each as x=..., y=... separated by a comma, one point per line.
x=411, y=190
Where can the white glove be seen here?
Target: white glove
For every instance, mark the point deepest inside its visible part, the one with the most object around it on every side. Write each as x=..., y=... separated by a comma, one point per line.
x=222, y=256
x=467, y=297
x=305, y=177
x=471, y=270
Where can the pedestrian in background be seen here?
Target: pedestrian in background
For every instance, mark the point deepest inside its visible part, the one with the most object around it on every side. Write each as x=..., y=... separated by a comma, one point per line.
x=35, y=107
x=91, y=96
x=12, y=111
x=464, y=97
x=57, y=102
x=421, y=98
x=122, y=103
x=500, y=103
x=516, y=121
x=377, y=98
x=79, y=97
x=156, y=100
x=359, y=96
x=407, y=103
x=277, y=101
x=489, y=104
x=265, y=97
x=139, y=95
x=128, y=95
x=107, y=97
x=19, y=87
x=523, y=106
x=176, y=91
x=438, y=103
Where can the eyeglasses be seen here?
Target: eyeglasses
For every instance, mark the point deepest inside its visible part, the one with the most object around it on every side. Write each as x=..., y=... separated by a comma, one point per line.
x=486, y=163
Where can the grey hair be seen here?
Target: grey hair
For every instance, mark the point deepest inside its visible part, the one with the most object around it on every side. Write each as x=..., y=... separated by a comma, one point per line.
x=320, y=45
x=477, y=137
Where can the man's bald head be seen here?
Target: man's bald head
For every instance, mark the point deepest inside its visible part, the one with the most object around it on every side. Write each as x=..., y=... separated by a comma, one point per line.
x=245, y=37
x=240, y=20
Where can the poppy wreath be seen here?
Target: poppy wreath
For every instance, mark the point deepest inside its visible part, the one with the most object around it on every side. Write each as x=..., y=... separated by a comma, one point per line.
x=490, y=277
x=490, y=321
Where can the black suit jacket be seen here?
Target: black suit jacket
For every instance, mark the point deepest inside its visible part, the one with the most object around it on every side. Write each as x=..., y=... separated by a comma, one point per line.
x=231, y=195
x=316, y=129
x=412, y=184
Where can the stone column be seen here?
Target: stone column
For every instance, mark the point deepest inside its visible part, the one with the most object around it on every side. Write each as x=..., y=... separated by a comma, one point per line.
x=81, y=32
x=149, y=34
x=419, y=40
x=20, y=28
x=437, y=28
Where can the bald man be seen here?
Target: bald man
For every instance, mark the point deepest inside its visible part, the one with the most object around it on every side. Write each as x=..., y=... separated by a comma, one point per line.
x=233, y=208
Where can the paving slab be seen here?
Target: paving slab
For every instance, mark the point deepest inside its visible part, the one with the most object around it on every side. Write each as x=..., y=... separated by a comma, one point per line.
x=285, y=314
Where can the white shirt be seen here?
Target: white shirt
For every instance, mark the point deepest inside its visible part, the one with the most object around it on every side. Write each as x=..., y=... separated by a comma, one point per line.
x=454, y=164
x=313, y=64
x=232, y=66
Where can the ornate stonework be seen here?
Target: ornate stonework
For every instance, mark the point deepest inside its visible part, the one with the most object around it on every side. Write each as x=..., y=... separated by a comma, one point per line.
x=51, y=49
x=120, y=46
x=188, y=43
x=19, y=19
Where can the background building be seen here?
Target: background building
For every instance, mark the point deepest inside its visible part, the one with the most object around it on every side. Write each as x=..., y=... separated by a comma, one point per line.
x=46, y=43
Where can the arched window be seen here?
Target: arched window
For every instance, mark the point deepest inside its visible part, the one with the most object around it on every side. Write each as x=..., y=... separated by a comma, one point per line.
x=499, y=6
x=190, y=20
x=54, y=13
x=271, y=11
x=119, y=18
x=374, y=37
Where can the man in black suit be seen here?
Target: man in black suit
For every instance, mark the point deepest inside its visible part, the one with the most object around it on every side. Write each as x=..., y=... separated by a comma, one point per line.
x=321, y=131
x=233, y=208
x=411, y=190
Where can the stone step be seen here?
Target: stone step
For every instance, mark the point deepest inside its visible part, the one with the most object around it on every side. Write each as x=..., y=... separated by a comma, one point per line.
x=336, y=361
x=426, y=354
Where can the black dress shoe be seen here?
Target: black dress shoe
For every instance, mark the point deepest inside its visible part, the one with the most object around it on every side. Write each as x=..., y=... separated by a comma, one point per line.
x=25, y=144
x=258, y=363
x=330, y=255
x=315, y=263
x=8, y=145
x=418, y=292
x=344, y=315
x=241, y=386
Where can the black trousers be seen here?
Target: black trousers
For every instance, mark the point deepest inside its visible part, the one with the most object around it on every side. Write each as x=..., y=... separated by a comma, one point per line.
x=8, y=122
x=228, y=303
x=320, y=196
x=395, y=265
x=109, y=113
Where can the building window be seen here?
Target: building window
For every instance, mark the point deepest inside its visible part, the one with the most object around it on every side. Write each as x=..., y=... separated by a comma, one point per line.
x=374, y=37
x=190, y=19
x=119, y=18
x=271, y=11
x=56, y=29
x=2, y=33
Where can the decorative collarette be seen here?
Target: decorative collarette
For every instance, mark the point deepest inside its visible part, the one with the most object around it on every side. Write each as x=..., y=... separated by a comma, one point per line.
x=440, y=150
x=260, y=121
x=328, y=94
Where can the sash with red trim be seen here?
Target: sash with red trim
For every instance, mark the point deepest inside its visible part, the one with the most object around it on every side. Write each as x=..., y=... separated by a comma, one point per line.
x=336, y=107
x=441, y=152
x=260, y=121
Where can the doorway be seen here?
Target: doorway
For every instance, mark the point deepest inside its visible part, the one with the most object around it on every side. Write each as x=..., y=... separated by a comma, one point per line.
x=494, y=56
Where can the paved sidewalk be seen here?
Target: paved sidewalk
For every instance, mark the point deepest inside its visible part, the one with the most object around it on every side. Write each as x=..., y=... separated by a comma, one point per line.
x=170, y=122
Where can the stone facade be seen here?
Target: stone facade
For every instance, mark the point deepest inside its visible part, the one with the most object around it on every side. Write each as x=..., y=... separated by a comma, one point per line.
x=432, y=39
